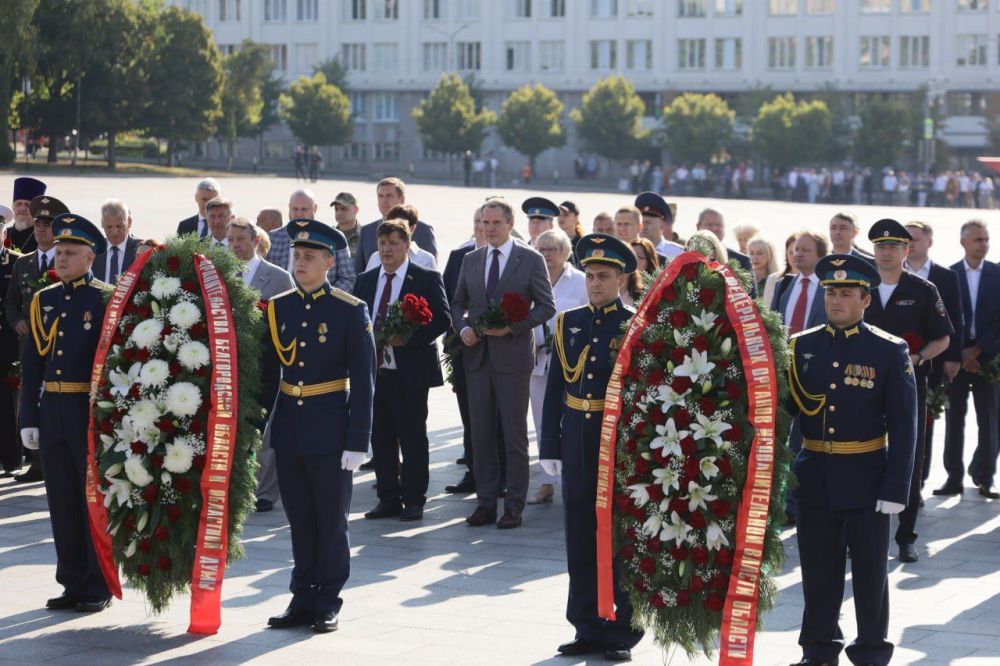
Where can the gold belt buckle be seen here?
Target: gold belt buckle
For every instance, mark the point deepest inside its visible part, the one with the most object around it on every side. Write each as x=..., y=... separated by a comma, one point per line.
x=296, y=390
x=828, y=446
x=585, y=405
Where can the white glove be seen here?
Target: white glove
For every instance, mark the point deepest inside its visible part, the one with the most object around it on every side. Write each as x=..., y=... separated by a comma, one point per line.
x=351, y=460
x=551, y=467
x=29, y=437
x=888, y=508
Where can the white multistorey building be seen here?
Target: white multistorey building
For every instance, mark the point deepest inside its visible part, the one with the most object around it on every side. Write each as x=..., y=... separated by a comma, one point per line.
x=396, y=50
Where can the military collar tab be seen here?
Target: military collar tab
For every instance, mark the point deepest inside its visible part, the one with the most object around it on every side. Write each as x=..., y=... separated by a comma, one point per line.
x=322, y=291
x=847, y=332
x=79, y=282
x=611, y=307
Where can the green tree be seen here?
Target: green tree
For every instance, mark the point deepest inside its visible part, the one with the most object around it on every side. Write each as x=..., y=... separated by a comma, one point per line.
x=247, y=71
x=697, y=126
x=838, y=146
x=335, y=72
x=448, y=120
x=530, y=121
x=787, y=132
x=884, y=133
x=185, y=80
x=14, y=58
x=609, y=121
x=318, y=113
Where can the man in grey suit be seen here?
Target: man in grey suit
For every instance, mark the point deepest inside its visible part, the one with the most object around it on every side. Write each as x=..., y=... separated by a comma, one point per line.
x=268, y=280
x=116, y=221
x=391, y=192
x=498, y=365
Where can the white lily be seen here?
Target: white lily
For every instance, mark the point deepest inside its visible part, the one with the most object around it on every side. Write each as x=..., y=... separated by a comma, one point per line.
x=669, y=397
x=676, y=529
x=705, y=321
x=639, y=493
x=667, y=477
x=112, y=470
x=652, y=525
x=669, y=438
x=727, y=346
x=695, y=366
x=708, y=467
x=678, y=338
x=130, y=551
x=118, y=492
x=121, y=382
x=707, y=428
x=715, y=538
x=698, y=497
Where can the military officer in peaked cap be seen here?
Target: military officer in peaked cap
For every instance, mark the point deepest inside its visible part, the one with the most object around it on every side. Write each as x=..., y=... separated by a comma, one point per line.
x=910, y=307
x=658, y=225
x=541, y=215
x=587, y=340
x=324, y=352
x=57, y=358
x=854, y=394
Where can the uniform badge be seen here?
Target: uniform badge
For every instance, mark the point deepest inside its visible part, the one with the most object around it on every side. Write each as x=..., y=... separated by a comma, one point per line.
x=596, y=239
x=66, y=232
x=616, y=343
x=282, y=328
x=368, y=327
x=840, y=275
x=598, y=252
x=838, y=262
x=87, y=317
x=939, y=307
x=322, y=329
x=906, y=301
x=47, y=308
x=807, y=356
x=302, y=235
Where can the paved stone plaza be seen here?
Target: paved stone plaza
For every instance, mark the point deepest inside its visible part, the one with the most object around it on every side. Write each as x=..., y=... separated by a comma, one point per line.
x=439, y=592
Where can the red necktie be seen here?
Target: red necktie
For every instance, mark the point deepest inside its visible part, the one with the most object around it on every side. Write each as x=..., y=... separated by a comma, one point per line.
x=799, y=313
x=383, y=309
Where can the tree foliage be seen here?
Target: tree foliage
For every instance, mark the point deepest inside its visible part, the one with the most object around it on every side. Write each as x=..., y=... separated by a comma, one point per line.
x=317, y=112
x=15, y=58
x=448, y=120
x=609, y=121
x=247, y=71
x=697, y=126
x=335, y=72
x=788, y=132
x=530, y=121
x=884, y=134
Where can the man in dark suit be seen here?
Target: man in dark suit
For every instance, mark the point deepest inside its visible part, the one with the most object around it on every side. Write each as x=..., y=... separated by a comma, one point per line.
x=844, y=229
x=207, y=189
x=712, y=220
x=407, y=369
x=116, y=221
x=391, y=192
x=949, y=363
x=980, y=283
x=498, y=365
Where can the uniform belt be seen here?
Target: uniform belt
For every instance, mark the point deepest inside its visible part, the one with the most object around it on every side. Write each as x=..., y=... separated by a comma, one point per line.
x=67, y=387
x=842, y=448
x=584, y=404
x=307, y=390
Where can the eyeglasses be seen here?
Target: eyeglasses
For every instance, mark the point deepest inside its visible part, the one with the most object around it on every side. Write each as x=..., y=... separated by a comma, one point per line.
x=546, y=250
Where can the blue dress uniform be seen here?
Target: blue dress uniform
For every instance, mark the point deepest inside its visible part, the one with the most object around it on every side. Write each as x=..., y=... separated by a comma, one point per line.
x=854, y=395
x=586, y=340
x=57, y=359
x=323, y=343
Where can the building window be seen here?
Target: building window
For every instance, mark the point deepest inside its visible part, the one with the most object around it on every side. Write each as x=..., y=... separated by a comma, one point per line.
x=279, y=57
x=355, y=10
x=876, y=6
x=819, y=52
x=387, y=10
x=387, y=150
x=557, y=8
x=914, y=6
x=973, y=5
x=728, y=7
x=386, y=59
x=358, y=110
x=603, y=54
x=690, y=8
x=729, y=53
x=603, y=8
x=784, y=7
x=551, y=56
x=434, y=9
x=356, y=151
x=874, y=53
x=781, y=53
x=352, y=56
x=467, y=9
x=227, y=49
x=520, y=8
x=639, y=54
x=914, y=51
x=435, y=56
x=306, y=55
x=229, y=10
x=275, y=10
x=971, y=50
x=469, y=56
x=518, y=56
x=821, y=6
x=966, y=104
x=308, y=10
x=690, y=54
x=386, y=107
x=635, y=8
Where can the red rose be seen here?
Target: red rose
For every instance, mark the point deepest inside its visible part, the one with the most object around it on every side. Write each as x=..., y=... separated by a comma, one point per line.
x=719, y=581
x=197, y=330
x=688, y=446
x=714, y=602
x=681, y=385
x=641, y=465
x=655, y=492
x=677, y=355
x=678, y=319
x=678, y=505
x=138, y=448
x=143, y=355
x=722, y=363
x=707, y=406
x=165, y=425
x=627, y=552
x=189, y=285
x=720, y=508
x=683, y=598
x=129, y=522
x=657, y=601
x=697, y=521
x=52, y=276
x=143, y=569
x=732, y=391
x=656, y=377
x=173, y=264
x=164, y=563
x=654, y=545
x=656, y=347
x=700, y=343
x=157, y=460
x=657, y=416
x=705, y=297
x=8, y=242
x=699, y=555
x=150, y=493
x=682, y=418
x=647, y=565
x=697, y=585
x=669, y=294
x=734, y=434
x=724, y=557
x=145, y=545
x=515, y=307
x=161, y=533
x=173, y=513
x=199, y=461
x=690, y=271
x=679, y=553
x=725, y=467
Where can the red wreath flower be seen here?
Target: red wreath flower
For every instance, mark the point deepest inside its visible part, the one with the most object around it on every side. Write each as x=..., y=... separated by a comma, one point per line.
x=161, y=533
x=678, y=319
x=690, y=271
x=150, y=493
x=164, y=563
x=705, y=297
x=144, y=569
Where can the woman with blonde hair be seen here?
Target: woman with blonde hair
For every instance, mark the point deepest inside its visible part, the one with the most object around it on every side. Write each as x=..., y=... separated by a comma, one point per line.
x=762, y=260
x=708, y=245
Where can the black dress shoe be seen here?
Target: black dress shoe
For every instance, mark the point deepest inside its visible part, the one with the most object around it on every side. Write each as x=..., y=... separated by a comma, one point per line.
x=989, y=491
x=579, y=646
x=481, y=516
x=92, y=606
x=291, y=618
x=33, y=475
x=948, y=489
x=264, y=505
x=510, y=520
x=325, y=622
x=465, y=486
x=412, y=513
x=462, y=461
x=383, y=510
x=368, y=465
x=908, y=553
x=63, y=602
x=815, y=662
x=617, y=652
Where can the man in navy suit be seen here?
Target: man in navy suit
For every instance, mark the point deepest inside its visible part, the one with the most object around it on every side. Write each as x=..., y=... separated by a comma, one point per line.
x=844, y=229
x=116, y=221
x=207, y=189
x=406, y=371
x=391, y=192
x=980, y=283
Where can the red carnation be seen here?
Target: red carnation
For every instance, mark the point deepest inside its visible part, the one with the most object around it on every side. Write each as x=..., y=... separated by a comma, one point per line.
x=642, y=466
x=189, y=285
x=515, y=307
x=173, y=264
x=128, y=354
x=681, y=385
x=143, y=311
x=720, y=508
x=647, y=565
x=627, y=552
x=129, y=522
x=692, y=467
x=622, y=501
x=197, y=330
x=656, y=377
x=678, y=319
x=697, y=521
x=166, y=330
x=678, y=505
x=143, y=569
x=161, y=533
x=724, y=326
x=203, y=371
x=173, y=513
x=165, y=425
x=705, y=297
x=725, y=467
x=175, y=369
x=654, y=545
x=655, y=492
x=143, y=355
x=683, y=598
x=141, y=285
x=138, y=448
x=656, y=347
x=157, y=460
x=707, y=406
x=734, y=434
x=150, y=493
x=679, y=553
x=118, y=338
x=714, y=602
x=722, y=363
x=197, y=426
x=640, y=429
x=724, y=557
x=199, y=461
x=657, y=416
x=164, y=563
x=662, y=456
x=657, y=601
x=677, y=355
x=697, y=584
x=631, y=446
x=134, y=391
x=699, y=555
x=719, y=581
x=688, y=446
x=145, y=545
x=700, y=343
x=732, y=391
x=682, y=418
x=669, y=294
x=690, y=271
x=106, y=427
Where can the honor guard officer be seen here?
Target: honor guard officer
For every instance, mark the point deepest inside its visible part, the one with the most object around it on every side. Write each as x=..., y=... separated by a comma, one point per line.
x=910, y=307
x=57, y=359
x=658, y=225
x=587, y=340
x=541, y=213
x=322, y=421
x=854, y=395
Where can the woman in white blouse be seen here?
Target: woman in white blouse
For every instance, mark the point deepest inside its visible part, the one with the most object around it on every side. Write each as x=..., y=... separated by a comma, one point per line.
x=569, y=287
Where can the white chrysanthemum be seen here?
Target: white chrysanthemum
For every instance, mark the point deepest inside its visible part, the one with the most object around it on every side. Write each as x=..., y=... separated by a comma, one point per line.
x=184, y=315
x=143, y=415
x=178, y=457
x=196, y=444
x=192, y=355
x=164, y=287
x=183, y=399
x=154, y=373
x=136, y=471
x=146, y=334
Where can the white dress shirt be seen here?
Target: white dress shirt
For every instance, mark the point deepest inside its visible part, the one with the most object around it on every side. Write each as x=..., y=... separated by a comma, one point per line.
x=50, y=258
x=110, y=260
x=417, y=255
x=668, y=249
x=793, y=298
x=924, y=271
x=213, y=242
x=972, y=276
x=251, y=270
x=569, y=291
x=388, y=357
x=505, y=251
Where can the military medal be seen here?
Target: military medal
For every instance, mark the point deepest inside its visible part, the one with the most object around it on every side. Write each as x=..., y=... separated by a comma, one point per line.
x=86, y=320
x=322, y=332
